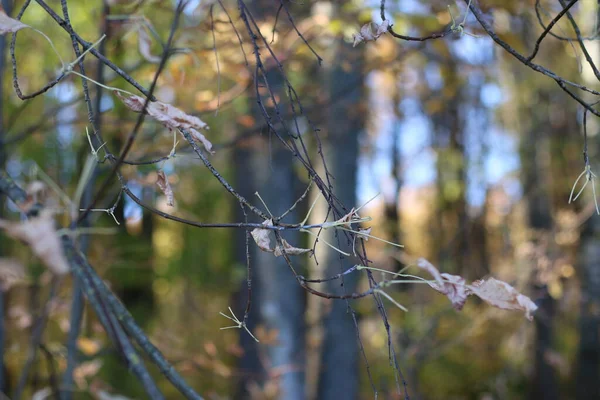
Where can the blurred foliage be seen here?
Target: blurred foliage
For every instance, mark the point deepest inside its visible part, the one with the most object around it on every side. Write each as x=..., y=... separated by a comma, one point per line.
x=184, y=276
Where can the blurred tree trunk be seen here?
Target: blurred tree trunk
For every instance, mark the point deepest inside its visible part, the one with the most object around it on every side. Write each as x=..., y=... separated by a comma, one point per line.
x=277, y=299
x=544, y=385
x=535, y=151
x=452, y=224
x=392, y=204
x=339, y=377
x=265, y=167
x=588, y=355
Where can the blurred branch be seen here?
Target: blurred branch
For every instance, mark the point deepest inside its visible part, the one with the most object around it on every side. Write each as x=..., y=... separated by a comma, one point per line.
x=116, y=320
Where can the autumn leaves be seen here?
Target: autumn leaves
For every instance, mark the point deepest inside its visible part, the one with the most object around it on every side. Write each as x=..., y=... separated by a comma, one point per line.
x=496, y=293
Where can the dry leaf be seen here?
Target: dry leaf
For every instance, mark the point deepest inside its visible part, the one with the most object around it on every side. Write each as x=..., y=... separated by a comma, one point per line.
x=169, y=116
x=11, y=273
x=496, y=293
x=9, y=25
x=289, y=249
x=261, y=236
x=263, y=240
x=502, y=295
x=382, y=28
x=452, y=286
x=165, y=187
x=367, y=34
x=144, y=45
x=40, y=235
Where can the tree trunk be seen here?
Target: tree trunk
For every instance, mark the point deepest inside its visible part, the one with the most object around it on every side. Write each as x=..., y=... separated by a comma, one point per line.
x=588, y=355
x=339, y=361
x=265, y=167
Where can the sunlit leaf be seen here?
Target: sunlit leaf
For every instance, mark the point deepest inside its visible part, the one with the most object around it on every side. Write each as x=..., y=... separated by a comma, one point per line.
x=502, y=295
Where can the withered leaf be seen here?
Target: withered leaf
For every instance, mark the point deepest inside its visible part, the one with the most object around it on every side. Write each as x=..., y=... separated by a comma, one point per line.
x=169, y=116
x=289, y=249
x=493, y=291
x=261, y=236
x=165, y=187
x=452, y=286
x=39, y=233
x=502, y=295
x=367, y=34
x=9, y=25
x=263, y=240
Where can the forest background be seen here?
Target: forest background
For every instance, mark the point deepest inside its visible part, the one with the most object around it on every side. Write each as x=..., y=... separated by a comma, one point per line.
x=457, y=150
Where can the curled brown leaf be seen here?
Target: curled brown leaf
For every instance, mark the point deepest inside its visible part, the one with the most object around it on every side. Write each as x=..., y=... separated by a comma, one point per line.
x=263, y=240
x=165, y=187
x=169, y=116
x=289, y=249
x=452, y=286
x=493, y=291
x=370, y=32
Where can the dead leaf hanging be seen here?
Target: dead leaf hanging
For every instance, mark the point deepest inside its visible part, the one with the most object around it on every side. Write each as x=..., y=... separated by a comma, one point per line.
x=9, y=25
x=39, y=233
x=289, y=249
x=367, y=34
x=169, y=116
x=502, y=295
x=452, y=286
x=263, y=240
x=261, y=236
x=493, y=291
x=165, y=187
